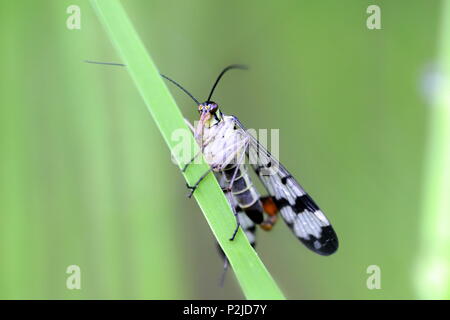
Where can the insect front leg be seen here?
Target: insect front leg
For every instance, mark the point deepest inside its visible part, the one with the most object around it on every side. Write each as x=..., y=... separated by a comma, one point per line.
x=189, y=124
x=195, y=186
x=191, y=161
x=191, y=127
x=199, y=152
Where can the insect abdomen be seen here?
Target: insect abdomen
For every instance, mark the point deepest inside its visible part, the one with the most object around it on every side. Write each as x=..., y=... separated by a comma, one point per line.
x=244, y=192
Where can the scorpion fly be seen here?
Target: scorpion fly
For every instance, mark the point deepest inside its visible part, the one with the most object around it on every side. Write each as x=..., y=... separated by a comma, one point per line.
x=226, y=144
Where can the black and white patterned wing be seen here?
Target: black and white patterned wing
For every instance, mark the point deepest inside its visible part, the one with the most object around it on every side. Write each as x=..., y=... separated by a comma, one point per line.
x=297, y=208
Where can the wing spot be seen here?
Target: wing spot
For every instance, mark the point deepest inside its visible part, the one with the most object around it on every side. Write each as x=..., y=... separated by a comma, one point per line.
x=317, y=245
x=284, y=179
x=305, y=202
x=281, y=203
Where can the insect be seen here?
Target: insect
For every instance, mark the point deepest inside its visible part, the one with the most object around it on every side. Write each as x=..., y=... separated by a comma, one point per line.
x=226, y=144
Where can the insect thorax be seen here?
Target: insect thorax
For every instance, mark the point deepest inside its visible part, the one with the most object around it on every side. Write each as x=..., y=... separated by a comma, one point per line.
x=223, y=144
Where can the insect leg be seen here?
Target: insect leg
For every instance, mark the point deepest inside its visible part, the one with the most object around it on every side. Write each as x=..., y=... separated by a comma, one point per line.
x=247, y=225
x=194, y=187
x=191, y=127
x=241, y=160
x=236, y=169
x=238, y=224
x=231, y=185
x=190, y=161
x=189, y=124
x=224, y=273
x=232, y=203
x=198, y=152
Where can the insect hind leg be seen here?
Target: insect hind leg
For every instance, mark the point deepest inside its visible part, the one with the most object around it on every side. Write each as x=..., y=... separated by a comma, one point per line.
x=224, y=272
x=236, y=216
x=238, y=224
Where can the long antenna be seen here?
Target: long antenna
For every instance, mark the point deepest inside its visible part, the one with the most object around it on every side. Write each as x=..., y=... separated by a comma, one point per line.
x=107, y=63
x=179, y=86
x=164, y=76
x=233, y=66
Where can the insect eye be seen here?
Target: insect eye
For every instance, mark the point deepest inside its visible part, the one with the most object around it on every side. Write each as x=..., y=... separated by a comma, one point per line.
x=213, y=108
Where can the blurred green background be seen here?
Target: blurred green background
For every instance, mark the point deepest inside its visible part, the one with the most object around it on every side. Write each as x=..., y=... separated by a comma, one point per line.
x=86, y=178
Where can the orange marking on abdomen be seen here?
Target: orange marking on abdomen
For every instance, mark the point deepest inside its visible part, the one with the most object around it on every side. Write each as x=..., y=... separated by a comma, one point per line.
x=269, y=206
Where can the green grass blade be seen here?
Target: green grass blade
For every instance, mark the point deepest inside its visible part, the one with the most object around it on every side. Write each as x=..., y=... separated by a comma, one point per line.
x=432, y=278
x=254, y=279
